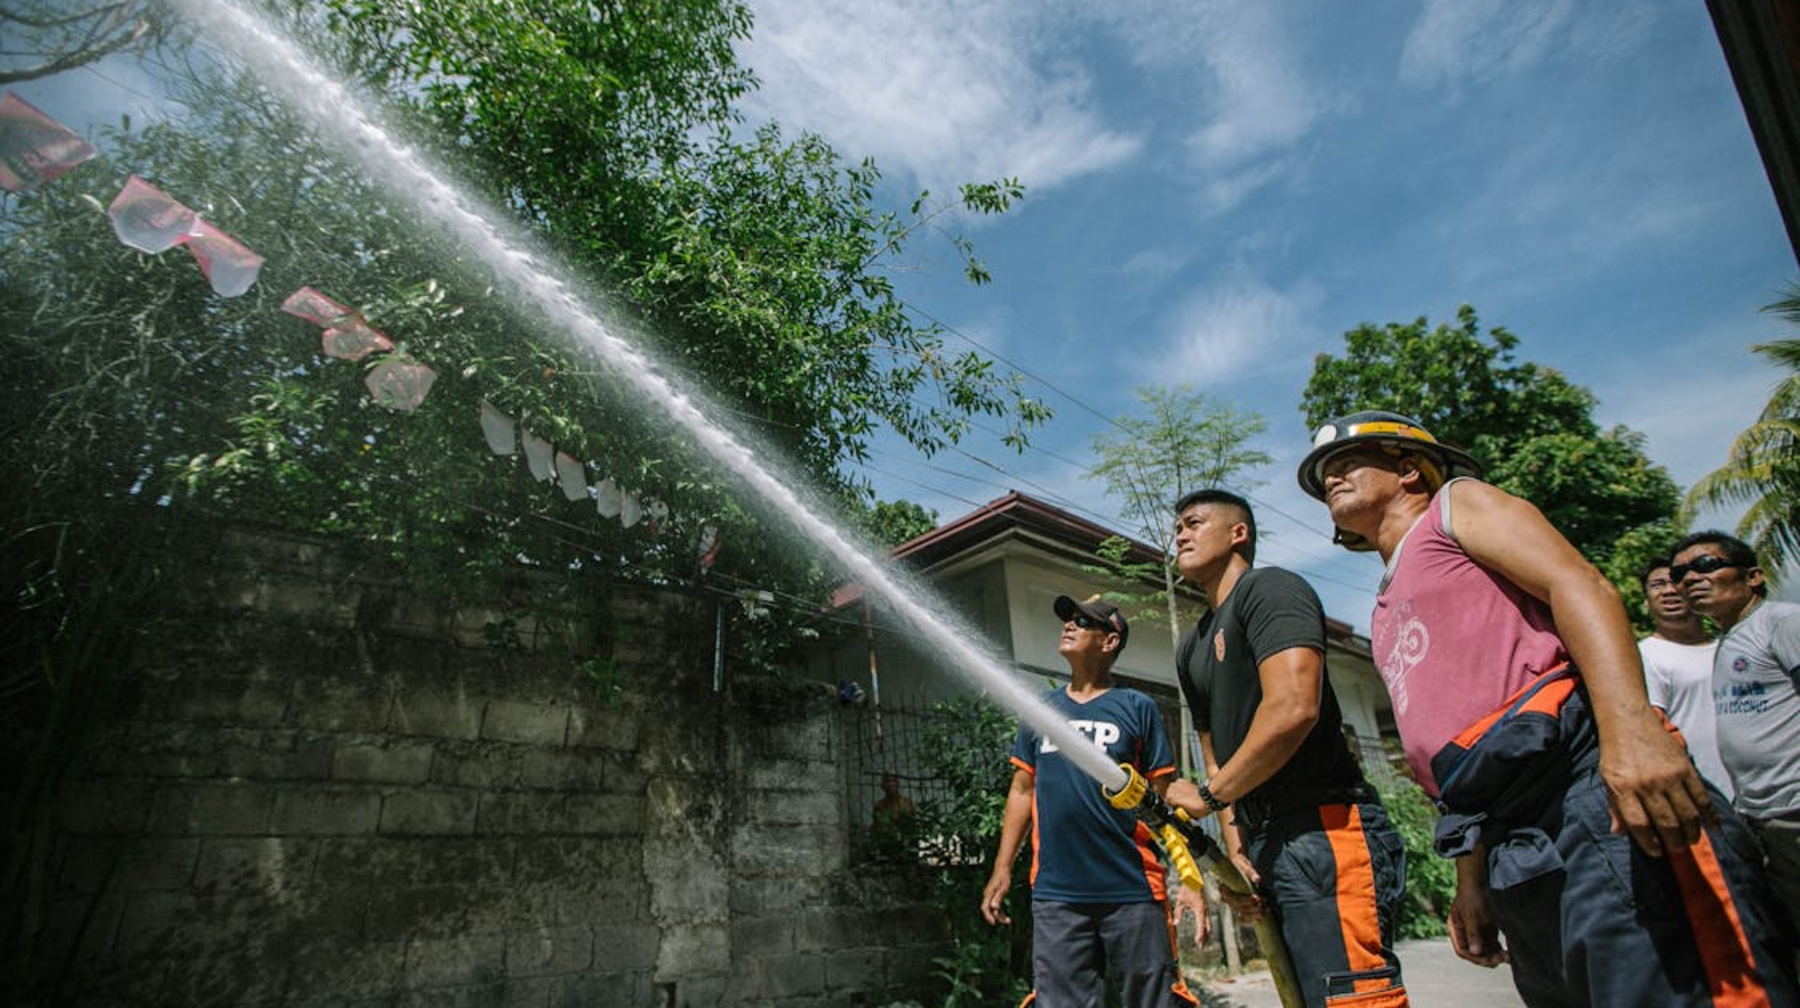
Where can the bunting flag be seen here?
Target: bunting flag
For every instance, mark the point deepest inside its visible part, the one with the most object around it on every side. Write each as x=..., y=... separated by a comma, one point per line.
x=547, y=462
x=537, y=455
x=354, y=340
x=316, y=308
x=710, y=543
x=572, y=476
x=399, y=384
x=499, y=430
x=657, y=512
x=229, y=266
x=34, y=148
x=148, y=219
x=347, y=336
x=607, y=499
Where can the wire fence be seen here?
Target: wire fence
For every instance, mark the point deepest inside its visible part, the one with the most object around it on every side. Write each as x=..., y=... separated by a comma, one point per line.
x=926, y=780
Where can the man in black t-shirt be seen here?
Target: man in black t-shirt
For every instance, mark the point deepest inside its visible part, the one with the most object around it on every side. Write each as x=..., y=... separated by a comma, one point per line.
x=1304, y=827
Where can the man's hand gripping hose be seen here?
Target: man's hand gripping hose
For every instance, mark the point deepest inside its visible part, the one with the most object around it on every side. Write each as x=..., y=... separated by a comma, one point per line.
x=1188, y=848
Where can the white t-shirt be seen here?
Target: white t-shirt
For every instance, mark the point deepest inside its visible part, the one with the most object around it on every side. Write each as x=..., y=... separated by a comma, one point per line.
x=1680, y=680
x=1758, y=709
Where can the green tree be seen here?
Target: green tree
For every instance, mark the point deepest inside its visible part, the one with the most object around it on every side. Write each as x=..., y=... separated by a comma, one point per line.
x=1625, y=567
x=1763, y=467
x=1531, y=428
x=1181, y=442
x=50, y=36
x=894, y=522
x=758, y=264
x=143, y=412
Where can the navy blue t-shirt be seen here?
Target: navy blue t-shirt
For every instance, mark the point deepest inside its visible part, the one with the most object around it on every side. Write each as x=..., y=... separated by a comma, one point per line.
x=1083, y=849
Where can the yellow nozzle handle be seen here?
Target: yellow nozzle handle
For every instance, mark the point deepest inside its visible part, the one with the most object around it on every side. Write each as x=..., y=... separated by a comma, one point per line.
x=1180, y=858
x=1131, y=793
x=1131, y=796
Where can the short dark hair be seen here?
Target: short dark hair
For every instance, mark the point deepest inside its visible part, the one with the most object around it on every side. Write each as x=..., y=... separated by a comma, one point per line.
x=1736, y=550
x=1213, y=495
x=1651, y=566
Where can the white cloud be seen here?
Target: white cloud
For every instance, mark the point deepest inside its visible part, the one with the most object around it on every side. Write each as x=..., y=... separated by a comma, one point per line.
x=942, y=92
x=1248, y=93
x=1239, y=325
x=1691, y=398
x=1464, y=42
x=951, y=92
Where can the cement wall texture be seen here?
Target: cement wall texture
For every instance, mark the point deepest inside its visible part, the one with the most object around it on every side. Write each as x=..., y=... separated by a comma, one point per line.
x=318, y=790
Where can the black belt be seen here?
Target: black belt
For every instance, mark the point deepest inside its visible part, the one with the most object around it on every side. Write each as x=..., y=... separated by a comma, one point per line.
x=1255, y=811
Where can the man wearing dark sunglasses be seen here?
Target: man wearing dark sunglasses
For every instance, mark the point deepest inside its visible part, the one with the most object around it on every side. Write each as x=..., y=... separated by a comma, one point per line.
x=1098, y=890
x=1755, y=699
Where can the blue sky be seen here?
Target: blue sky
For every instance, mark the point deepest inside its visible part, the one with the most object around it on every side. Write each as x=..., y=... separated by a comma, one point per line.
x=1218, y=191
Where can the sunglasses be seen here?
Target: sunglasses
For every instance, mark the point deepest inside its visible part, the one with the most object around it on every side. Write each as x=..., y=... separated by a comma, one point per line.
x=1085, y=622
x=1705, y=564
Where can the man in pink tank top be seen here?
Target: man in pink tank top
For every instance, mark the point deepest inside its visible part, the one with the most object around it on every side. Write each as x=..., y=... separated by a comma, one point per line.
x=1581, y=831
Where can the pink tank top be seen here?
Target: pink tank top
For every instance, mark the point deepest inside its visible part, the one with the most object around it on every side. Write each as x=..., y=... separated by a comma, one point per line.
x=1452, y=639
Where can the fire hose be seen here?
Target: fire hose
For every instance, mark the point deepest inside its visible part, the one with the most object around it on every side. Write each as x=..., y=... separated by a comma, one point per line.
x=1187, y=848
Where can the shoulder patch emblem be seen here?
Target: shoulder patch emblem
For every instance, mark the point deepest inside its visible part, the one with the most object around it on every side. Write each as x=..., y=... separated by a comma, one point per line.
x=1219, y=644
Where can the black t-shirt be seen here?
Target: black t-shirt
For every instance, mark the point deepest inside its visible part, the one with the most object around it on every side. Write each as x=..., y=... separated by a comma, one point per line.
x=1268, y=611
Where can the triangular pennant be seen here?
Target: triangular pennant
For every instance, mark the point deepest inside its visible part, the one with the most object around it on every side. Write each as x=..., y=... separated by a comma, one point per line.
x=710, y=542
x=607, y=497
x=353, y=340
x=34, y=148
x=227, y=263
x=316, y=308
x=537, y=456
x=400, y=385
x=630, y=510
x=147, y=219
x=572, y=476
x=498, y=428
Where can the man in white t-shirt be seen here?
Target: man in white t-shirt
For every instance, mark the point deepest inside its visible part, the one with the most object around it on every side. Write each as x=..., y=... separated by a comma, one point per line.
x=1678, y=671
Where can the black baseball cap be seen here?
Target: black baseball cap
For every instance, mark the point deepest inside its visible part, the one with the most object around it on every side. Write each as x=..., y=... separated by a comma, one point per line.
x=1097, y=609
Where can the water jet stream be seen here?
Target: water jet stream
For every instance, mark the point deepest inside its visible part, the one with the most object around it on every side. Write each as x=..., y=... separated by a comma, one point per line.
x=337, y=113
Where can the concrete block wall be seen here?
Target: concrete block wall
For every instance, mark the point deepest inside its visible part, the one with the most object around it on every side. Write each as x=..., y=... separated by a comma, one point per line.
x=320, y=791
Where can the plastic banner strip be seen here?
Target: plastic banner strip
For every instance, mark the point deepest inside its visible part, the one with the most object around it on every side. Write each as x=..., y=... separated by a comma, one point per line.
x=34, y=148
x=572, y=476
x=607, y=498
x=316, y=308
x=354, y=340
x=537, y=455
x=148, y=219
x=226, y=262
x=499, y=429
x=400, y=385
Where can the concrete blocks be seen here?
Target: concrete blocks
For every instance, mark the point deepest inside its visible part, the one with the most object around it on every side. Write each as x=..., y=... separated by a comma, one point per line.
x=429, y=813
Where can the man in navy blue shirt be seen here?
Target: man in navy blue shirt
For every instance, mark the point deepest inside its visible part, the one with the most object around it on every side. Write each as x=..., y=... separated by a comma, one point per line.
x=1097, y=880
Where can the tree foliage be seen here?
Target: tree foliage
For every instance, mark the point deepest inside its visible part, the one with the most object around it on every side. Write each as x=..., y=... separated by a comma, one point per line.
x=1181, y=442
x=758, y=264
x=1531, y=428
x=1763, y=467
x=48, y=37
x=142, y=410
x=891, y=523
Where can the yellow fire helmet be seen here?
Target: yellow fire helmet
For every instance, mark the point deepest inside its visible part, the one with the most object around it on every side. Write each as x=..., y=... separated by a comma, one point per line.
x=1395, y=434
